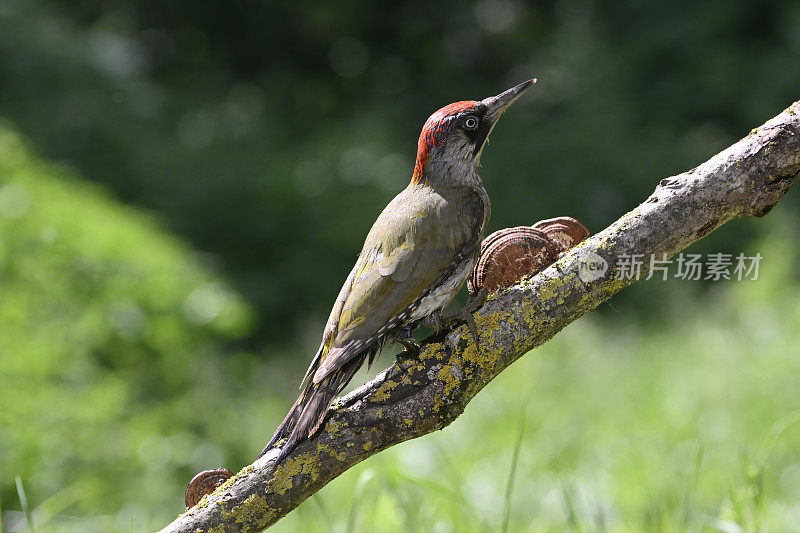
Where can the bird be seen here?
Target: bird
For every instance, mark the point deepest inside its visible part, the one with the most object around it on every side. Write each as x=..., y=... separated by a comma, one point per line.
x=417, y=255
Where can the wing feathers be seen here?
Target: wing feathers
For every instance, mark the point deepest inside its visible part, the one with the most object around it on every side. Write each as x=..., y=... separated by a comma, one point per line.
x=333, y=360
x=411, y=245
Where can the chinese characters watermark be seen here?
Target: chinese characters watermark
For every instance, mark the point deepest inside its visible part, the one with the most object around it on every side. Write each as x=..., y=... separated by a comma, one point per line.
x=713, y=267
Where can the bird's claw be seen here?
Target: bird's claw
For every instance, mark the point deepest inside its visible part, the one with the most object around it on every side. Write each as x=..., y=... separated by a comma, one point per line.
x=464, y=316
x=410, y=348
x=434, y=321
x=476, y=301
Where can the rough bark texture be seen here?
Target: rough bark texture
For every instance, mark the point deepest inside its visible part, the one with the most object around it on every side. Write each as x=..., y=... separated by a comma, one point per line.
x=417, y=397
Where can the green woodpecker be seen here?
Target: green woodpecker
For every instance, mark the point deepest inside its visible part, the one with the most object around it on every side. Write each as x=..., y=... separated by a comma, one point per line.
x=418, y=254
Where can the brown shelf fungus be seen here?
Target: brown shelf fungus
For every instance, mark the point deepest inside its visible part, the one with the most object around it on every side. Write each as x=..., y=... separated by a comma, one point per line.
x=205, y=483
x=510, y=254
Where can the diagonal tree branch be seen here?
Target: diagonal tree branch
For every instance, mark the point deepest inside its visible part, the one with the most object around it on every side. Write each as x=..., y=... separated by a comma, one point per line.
x=416, y=397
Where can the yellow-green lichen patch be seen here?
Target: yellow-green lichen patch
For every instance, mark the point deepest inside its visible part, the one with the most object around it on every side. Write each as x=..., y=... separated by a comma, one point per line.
x=408, y=422
x=326, y=448
x=367, y=446
x=306, y=463
x=553, y=287
x=435, y=350
x=473, y=356
x=610, y=287
x=217, y=529
x=253, y=511
x=383, y=392
x=452, y=377
x=449, y=378
x=332, y=429
x=228, y=483
x=488, y=325
x=413, y=369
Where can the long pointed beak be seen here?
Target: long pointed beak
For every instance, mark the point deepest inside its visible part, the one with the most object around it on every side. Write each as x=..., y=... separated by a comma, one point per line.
x=496, y=105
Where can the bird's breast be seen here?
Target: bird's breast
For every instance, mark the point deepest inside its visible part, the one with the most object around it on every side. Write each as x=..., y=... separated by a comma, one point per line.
x=441, y=295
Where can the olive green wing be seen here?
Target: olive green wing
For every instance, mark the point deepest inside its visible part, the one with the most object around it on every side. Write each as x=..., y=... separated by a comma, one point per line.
x=407, y=250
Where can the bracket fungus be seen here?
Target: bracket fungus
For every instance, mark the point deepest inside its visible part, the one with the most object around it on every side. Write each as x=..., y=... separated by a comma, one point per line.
x=510, y=254
x=205, y=483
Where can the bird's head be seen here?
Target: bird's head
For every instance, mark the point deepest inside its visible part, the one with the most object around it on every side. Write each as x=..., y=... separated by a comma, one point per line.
x=452, y=138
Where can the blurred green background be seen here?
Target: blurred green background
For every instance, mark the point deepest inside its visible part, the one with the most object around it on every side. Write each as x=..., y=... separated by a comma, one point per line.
x=185, y=185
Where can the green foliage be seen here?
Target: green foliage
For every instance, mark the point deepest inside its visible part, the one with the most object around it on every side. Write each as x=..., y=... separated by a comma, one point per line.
x=107, y=328
x=23, y=501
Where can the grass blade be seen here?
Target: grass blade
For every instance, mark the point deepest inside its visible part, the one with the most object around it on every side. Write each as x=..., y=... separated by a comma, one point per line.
x=569, y=504
x=323, y=511
x=362, y=482
x=23, y=501
x=513, y=470
x=775, y=432
x=687, y=518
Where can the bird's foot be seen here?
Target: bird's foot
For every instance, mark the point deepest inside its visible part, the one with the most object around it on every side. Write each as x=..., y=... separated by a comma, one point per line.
x=476, y=301
x=434, y=321
x=464, y=316
x=410, y=347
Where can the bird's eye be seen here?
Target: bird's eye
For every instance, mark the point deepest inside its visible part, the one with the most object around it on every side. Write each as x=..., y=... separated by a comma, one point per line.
x=471, y=122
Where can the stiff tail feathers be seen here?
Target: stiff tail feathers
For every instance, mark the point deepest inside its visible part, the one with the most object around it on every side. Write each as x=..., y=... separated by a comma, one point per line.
x=308, y=412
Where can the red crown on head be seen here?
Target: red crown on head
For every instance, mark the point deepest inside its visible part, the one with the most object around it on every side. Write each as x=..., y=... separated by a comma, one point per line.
x=434, y=132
